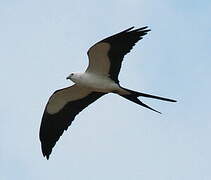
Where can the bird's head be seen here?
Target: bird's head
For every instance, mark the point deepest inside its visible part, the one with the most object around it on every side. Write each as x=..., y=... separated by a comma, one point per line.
x=74, y=77
x=70, y=77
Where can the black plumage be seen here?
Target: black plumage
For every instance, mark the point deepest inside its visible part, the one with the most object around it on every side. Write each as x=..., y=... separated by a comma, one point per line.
x=53, y=125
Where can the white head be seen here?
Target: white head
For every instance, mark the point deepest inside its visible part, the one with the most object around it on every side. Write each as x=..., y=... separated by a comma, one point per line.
x=70, y=76
x=74, y=77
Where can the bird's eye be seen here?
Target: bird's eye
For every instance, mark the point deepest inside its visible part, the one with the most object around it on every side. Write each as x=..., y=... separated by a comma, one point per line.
x=71, y=74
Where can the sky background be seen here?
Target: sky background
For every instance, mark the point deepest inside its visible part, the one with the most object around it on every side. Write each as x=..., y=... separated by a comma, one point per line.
x=41, y=42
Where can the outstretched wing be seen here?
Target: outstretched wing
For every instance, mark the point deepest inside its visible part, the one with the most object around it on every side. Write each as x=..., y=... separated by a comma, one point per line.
x=106, y=56
x=60, y=111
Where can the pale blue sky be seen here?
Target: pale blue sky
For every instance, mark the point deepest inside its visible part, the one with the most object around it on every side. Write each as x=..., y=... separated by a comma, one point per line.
x=41, y=42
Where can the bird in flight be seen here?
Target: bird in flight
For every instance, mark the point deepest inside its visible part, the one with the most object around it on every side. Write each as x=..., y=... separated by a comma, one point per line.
x=99, y=79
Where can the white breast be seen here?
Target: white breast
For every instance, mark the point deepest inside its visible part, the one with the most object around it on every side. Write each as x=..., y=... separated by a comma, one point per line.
x=97, y=82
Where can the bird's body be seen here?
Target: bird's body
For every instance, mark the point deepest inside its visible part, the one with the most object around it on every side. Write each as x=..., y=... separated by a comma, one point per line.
x=100, y=78
x=96, y=82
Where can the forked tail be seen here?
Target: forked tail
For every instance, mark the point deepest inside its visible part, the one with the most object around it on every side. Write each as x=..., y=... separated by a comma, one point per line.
x=133, y=96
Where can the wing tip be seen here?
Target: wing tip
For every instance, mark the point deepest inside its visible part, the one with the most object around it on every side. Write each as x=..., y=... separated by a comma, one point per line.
x=143, y=29
x=47, y=156
x=46, y=152
x=127, y=30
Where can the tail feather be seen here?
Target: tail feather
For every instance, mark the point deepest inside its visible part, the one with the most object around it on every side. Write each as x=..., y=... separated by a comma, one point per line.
x=137, y=94
x=133, y=96
x=137, y=101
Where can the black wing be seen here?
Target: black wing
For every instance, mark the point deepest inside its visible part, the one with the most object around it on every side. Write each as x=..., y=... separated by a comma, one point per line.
x=53, y=125
x=119, y=45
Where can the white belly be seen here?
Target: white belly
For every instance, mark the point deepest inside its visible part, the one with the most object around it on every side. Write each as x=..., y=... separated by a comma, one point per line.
x=96, y=82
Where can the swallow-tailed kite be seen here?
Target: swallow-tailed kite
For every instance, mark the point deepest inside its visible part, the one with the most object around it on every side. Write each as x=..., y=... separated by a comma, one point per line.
x=100, y=78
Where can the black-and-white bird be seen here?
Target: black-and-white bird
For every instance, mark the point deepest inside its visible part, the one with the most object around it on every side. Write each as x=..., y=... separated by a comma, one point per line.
x=100, y=78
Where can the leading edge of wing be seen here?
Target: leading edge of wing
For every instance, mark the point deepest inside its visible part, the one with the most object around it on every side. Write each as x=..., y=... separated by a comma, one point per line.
x=144, y=31
x=53, y=125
